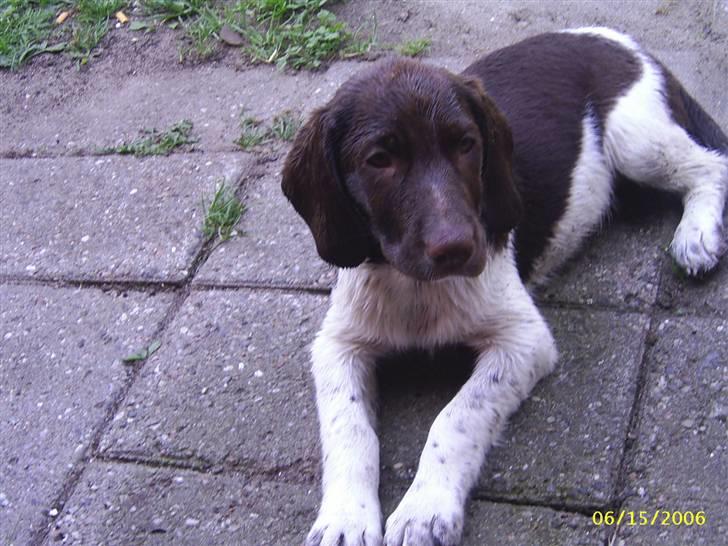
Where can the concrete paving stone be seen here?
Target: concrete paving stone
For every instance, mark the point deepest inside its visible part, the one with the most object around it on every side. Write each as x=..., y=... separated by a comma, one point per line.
x=109, y=110
x=276, y=247
x=60, y=367
x=120, y=504
x=679, y=462
x=682, y=295
x=230, y=386
x=107, y=218
x=565, y=443
x=489, y=523
x=620, y=266
x=706, y=296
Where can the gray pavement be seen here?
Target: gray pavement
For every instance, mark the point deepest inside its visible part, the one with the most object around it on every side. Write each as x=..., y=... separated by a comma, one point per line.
x=213, y=439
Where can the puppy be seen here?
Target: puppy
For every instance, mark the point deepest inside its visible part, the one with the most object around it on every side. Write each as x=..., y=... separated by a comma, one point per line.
x=441, y=197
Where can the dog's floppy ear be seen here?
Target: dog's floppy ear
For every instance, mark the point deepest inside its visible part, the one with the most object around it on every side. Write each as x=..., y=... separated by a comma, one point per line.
x=312, y=184
x=502, y=208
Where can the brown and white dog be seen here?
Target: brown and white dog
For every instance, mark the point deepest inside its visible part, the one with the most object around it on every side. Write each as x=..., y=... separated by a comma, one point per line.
x=441, y=196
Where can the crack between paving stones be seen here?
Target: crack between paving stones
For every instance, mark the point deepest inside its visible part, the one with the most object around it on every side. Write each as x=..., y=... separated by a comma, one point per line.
x=296, y=473
x=73, y=478
x=78, y=154
x=620, y=495
x=580, y=509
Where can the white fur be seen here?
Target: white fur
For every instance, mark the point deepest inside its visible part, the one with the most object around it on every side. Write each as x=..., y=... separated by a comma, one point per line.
x=375, y=309
x=643, y=142
x=590, y=195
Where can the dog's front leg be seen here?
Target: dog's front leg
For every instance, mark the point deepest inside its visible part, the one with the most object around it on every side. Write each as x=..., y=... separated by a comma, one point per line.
x=350, y=514
x=432, y=511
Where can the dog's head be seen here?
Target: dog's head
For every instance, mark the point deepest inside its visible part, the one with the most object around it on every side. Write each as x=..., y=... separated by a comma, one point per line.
x=408, y=164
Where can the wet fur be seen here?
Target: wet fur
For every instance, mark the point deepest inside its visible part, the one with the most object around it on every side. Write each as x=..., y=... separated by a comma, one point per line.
x=560, y=117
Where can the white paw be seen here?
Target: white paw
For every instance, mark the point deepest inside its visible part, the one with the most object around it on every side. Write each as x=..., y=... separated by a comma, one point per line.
x=426, y=517
x=348, y=524
x=697, y=248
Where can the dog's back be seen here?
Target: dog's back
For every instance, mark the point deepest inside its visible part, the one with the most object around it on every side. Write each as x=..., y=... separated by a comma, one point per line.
x=567, y=97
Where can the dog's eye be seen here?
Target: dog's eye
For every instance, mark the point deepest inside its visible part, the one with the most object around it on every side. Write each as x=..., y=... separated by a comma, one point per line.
x=380, y=160
x=466, y=144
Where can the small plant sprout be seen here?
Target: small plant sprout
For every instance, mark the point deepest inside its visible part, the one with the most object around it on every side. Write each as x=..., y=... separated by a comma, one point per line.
x=252, y=133
x=285, y=125
x=414, y=48
x=221, y=213
x=156, y=142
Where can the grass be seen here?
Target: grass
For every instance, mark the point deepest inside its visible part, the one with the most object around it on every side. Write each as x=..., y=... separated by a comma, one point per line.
x=414, y=48
x=290, y=33
x=296, y=34
x=252, y=133
x=221, y=213
x=155, y=142
x=27, y=28
x=89, y=24
x=285, y=125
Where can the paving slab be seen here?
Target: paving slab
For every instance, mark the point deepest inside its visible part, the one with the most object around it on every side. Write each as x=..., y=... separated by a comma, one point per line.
x=229, y=387
x=128, y=504
x=118, y=504
x=276, y=247
x=107, y=218
x=107, y=110
x=60, y=355
x=502, y=523
x=618, y=267
x=680, y=454
x=564, y=446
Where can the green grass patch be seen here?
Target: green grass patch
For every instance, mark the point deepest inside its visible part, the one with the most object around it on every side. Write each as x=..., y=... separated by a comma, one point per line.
x=252, y=133
x=297, y=34
x=414, y=48
x=285, y=125
x=155, y=142
x=175, y=10
x=292, y=33
x=25, y=30
x=221, y=213
x=89, y=25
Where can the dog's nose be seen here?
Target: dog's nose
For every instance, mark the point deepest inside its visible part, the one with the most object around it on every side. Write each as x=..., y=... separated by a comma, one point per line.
x=451, y=251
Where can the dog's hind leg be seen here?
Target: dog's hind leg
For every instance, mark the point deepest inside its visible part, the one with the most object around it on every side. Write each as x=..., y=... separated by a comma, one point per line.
x=659, y=136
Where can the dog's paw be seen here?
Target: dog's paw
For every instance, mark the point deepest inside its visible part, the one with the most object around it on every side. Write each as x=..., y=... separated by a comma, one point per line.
x=697, y=248
x=345, y=527
x=425, y=517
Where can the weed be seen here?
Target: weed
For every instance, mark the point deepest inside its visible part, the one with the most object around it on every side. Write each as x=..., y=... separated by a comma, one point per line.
x=203, y=34
x=285, y=125
x=89, y=25
x=175, y=10
x=291, y=33
x=25, y=26
x=156, y=143
x=221, y=213
x=144, y=353
x=414, y=48
x=252, y=133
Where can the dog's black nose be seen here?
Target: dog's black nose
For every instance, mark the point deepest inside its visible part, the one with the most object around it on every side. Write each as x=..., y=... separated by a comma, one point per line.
x=450, y=252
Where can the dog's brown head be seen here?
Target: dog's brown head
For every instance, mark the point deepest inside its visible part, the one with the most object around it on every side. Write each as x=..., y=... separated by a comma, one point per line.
x=408, y=164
